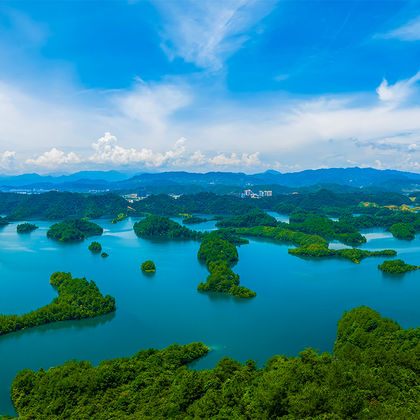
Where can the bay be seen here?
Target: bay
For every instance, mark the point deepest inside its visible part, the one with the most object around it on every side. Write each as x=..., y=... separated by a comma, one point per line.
x=298, y=303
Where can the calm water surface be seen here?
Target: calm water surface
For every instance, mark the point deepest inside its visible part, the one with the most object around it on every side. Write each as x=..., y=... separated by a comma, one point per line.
x=298, y=301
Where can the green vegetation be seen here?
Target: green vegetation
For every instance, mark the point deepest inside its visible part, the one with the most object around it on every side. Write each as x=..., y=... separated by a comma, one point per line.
x=154, y=226
x=333, y=203
x=73, y=230
x=254, y=217
x=311, y=245
x=95, y=247
x=314, y=224
x=104, y=255
x=219, y=255
x=353, y=254
x=193, y=220
x=77, y=299
x=402, y=225
x=374, y=373
x=201, y=203
x=26, y=228
x=3, y=221
x=120, y=217
x=148, y=267
x=61, y=205
x=403, y=231
x=396, y=267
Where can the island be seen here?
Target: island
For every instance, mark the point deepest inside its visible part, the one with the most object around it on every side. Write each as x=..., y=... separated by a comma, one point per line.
x=26, y=228
x=120, y=217
x=254, y=217
x=148, y=267
x=77, y=299
x=371, y=374
x=73, y=230
x=403, y=231
x=311, y=245
x=104, y=255
x=396, y=267
x=95, y=247
x=193, y=220
x=219, y=255
x=155, y=226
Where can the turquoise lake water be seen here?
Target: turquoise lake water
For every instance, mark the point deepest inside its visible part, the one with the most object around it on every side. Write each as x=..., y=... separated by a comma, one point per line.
x=298, y=301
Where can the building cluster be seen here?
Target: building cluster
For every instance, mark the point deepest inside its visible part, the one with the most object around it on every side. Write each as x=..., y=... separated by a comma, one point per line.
x=131, y=198
x=261, y=193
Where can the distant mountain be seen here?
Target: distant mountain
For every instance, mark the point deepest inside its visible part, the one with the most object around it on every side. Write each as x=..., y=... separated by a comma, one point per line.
x=32, y=179
x=166, y=181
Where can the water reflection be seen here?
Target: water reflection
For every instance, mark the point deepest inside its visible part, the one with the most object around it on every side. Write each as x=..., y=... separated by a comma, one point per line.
x=77, y=325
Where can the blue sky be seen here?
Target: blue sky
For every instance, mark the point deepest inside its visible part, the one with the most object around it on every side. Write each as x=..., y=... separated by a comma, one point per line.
x=240, y=85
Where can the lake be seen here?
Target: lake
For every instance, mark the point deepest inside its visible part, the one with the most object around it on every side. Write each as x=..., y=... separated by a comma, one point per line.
x=298, y=301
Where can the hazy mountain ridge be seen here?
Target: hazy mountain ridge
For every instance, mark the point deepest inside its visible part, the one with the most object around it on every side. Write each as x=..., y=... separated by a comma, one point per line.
x=113, y=180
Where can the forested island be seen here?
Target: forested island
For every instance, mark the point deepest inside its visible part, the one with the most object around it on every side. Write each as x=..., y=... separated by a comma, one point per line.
x=26, y=228
x=120, y=217
x=254, y=217
x=77, y=299
x=193, y=220
x=95, y=247
x=310, y=245
x=403, y=231
x=373, y=373
x=148, y=267
x=396, y=267
x=219, y=255
x=73, y=230
x=155, y=226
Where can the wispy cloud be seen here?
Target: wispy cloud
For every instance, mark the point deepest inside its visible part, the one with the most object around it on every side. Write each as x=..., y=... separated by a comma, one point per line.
x=207, y=32
x=152, y=103
x=410, y=31
x=398, y=92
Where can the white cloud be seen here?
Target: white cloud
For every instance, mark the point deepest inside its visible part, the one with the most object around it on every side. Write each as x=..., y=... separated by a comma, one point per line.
x=54, y=158
x=152, y=104
x=7, y=159
x=410, y=31
x=207, y=32
x=108, y=151
x=235, y=160
x=398, y=92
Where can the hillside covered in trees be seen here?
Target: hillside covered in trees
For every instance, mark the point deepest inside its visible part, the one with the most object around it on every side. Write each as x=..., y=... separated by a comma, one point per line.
x=373, y=373
x=60, y=205
x=73, y=230
x=77, y=299
x=155, y=226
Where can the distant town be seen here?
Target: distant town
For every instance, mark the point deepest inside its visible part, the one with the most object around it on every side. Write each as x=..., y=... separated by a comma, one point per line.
x=251, y=194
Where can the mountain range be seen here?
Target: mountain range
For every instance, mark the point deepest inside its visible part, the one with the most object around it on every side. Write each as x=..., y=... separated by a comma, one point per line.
x=93, y=181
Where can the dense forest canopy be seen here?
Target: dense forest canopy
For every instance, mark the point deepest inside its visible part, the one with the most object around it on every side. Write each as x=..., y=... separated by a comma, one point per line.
x=254, y=217
x=310, y=245
x=219, y=254
x=26, y=228
x=155, y=226
x=373, y=373
x=73, y=230
x=77, y=299
x=95, y=247
x=148, y=266
x=396, y=267
x=60, y=205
